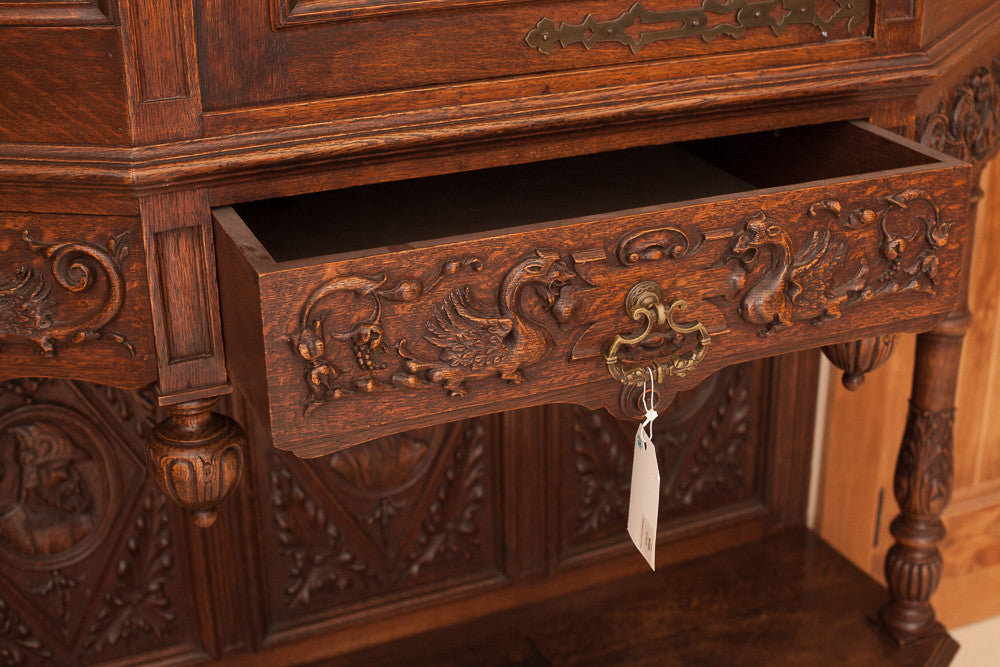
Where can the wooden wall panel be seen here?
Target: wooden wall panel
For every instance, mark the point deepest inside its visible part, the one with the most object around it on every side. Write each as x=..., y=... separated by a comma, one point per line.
x=864, y=430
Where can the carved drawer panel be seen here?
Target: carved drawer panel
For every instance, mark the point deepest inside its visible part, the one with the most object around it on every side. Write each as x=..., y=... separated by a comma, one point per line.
x=358, y=313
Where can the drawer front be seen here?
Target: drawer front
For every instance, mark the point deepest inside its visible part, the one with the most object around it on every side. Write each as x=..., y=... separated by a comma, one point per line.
x=281, y=50
x=340, y=352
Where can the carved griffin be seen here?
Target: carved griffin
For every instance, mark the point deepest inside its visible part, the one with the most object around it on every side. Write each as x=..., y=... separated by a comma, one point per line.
x=785, y=286
x=477, y=343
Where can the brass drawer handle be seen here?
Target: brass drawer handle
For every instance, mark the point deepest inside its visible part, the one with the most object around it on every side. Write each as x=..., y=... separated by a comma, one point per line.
x=645, y=302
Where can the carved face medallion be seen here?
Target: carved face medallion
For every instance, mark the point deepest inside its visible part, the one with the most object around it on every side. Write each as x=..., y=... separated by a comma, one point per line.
x=57, y=486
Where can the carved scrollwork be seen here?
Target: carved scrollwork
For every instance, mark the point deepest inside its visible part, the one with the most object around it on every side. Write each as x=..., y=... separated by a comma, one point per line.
x=470, y=341
x=546, y=36
x=649, y=245
x=966, y=123
x=818, y=280
x=29, y=311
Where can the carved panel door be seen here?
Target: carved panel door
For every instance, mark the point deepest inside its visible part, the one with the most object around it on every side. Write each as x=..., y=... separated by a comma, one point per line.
x=319, y=556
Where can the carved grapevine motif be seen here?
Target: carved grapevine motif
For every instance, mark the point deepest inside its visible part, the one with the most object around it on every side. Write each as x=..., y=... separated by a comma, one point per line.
x=450, y=529
x=138, y=602
x=17, y=643
x=312, y=541
x=29, y=311
x=966, y=123
x=637, y=27
x=472, y=341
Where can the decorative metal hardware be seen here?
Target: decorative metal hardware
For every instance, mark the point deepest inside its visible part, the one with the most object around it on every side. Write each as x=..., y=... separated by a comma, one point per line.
x=773, y=14
x=645, y=302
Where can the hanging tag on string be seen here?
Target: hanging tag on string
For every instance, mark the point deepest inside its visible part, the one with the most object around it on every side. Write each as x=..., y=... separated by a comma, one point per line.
x=644, y=497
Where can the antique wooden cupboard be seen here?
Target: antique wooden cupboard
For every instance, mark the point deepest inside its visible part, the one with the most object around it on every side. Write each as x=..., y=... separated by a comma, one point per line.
x=466, y=230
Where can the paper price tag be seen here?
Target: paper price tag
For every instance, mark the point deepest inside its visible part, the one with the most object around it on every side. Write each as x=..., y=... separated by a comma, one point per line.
x=644, y=498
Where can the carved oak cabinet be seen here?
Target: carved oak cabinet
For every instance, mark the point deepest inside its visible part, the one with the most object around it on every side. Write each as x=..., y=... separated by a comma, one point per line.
x=324, y=324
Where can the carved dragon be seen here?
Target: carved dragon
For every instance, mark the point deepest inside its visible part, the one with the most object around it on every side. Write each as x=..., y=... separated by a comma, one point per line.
x=787, y=286
x=476, y=344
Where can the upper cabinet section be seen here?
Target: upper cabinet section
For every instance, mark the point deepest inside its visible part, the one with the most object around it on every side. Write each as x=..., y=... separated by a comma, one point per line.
x=62, y=73
x=284, y=50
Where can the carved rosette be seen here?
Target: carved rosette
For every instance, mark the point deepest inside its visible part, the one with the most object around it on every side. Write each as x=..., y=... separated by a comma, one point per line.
x=859, y=357
x=196, y=457
x=30, y=311
x=966, y=123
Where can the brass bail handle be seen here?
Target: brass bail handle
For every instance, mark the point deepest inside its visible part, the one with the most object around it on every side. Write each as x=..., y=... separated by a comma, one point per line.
x=645, y=302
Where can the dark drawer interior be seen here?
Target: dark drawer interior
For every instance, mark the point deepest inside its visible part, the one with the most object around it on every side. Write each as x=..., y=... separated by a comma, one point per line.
x=546, y=192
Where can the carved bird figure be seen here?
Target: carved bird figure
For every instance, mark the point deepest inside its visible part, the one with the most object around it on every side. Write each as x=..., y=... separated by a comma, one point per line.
x=477, y=344
x=793, y=286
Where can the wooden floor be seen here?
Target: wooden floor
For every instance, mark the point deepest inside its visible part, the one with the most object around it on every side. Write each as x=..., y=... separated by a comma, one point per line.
x=789, y=600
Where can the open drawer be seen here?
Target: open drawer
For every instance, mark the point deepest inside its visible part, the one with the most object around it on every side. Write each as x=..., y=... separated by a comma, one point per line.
x=352, y=314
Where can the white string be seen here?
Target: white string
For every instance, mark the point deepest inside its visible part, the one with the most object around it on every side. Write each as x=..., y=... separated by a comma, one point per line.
x=648, y=405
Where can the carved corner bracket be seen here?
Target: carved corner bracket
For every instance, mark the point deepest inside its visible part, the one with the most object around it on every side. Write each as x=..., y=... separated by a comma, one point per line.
x=29, y=310
x=966, y=123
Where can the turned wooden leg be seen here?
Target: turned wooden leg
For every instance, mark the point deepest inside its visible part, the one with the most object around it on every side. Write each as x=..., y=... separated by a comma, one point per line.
x=923, y=483
x=196, y=457
x=859, y=357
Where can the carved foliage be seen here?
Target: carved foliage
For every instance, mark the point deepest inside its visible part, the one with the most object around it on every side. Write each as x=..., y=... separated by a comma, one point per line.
x=602, y=461
x=705, y=450
x=712, y=467
x=138, y=603
x=30, y=311
x=469, y=340
x=18, y=644
x=312, y=541
x=966, y=123
x=817, y=281
x=394, y=512
x=925, y=465
x=450, y=529
x=639, y=27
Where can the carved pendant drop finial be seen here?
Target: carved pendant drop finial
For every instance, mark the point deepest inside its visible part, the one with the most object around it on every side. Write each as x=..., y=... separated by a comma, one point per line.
x=196, y=457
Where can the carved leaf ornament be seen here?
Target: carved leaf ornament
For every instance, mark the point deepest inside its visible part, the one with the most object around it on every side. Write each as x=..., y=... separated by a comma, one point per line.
x=29, y=307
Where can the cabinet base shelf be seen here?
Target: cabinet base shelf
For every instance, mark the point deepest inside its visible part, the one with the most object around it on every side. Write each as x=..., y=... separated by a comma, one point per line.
x=789, y=600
